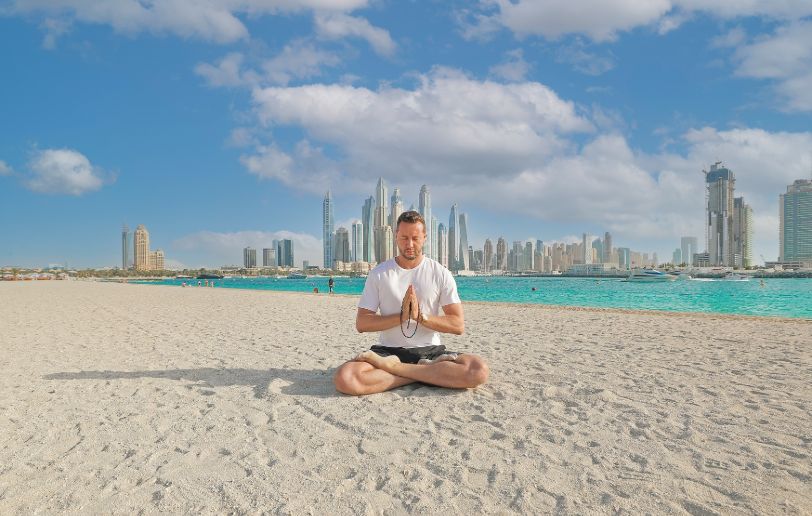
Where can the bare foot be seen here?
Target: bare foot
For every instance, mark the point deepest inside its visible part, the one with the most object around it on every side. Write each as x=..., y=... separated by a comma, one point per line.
x=378, y=361
x=445, y=357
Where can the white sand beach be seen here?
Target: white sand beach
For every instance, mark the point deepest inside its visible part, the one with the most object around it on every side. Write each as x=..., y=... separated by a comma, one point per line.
x=121, y=398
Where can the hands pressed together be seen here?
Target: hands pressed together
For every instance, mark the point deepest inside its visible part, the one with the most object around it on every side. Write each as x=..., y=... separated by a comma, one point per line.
x=410, y=306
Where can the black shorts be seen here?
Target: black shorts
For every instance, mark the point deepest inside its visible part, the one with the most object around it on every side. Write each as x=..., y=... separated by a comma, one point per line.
x=413, y=355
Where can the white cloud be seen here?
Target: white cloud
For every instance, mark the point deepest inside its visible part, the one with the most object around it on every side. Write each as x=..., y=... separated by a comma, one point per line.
x=227, y=72
x=5, y=169
x=64, y=171
x=785, y=57
x=583, y=61
x=513, y=68
x=210, y=20
x=339, y=25
x=208, y=248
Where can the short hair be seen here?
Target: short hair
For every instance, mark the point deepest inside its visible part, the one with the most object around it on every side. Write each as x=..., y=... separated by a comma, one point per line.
x=411, y=217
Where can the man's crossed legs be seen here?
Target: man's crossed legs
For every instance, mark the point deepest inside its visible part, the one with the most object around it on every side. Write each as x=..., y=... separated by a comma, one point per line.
x=370, y=372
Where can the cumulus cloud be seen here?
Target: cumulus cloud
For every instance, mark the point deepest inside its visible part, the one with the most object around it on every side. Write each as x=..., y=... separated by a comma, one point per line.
x=208, y=248
x=210, y=20
x=64, y=171
x=784, y=57
x=513, y=68
x=5, y=169
x=603, y=20
x=339, y=25
x=584, y=61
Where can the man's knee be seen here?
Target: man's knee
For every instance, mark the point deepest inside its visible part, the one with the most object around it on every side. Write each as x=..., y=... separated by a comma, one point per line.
x=477, y=371
x=346, y=380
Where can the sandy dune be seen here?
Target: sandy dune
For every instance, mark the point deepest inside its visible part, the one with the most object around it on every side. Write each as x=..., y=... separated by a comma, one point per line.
x=127, y=398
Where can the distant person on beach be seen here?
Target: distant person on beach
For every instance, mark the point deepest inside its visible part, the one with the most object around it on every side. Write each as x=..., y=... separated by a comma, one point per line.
x=330, y=284
x=410, y=291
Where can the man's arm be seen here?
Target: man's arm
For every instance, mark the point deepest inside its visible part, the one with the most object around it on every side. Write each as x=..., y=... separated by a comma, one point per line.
x=367, y=320
x=452, y=322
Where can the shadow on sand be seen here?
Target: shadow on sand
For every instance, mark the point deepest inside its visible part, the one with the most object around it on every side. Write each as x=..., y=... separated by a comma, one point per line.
x=308, y=382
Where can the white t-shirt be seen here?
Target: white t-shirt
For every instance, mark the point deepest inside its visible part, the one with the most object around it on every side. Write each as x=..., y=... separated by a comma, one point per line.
x=384, y=290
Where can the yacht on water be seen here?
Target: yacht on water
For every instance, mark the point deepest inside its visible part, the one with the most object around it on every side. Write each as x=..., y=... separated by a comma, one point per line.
x=649, y=276
x=297, y=275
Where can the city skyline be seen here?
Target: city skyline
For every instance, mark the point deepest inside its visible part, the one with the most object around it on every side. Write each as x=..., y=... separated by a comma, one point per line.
x=224, y=134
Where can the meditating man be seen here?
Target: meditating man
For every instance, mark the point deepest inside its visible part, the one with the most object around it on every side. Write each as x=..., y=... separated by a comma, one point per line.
x=417, y=299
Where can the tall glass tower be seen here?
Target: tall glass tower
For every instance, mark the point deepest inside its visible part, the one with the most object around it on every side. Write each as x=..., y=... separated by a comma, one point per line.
x=424, y=206
x=327, y=229
x=368, y=220
x=125, y=247
x=357, y=248
x=453, y=239
x=720, y=183
x=795, y=228
x=380, y=204
x=397, y=209
x=463, y=259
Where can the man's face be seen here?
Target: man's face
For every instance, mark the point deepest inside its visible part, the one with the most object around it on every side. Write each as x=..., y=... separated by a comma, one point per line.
x=411, y=238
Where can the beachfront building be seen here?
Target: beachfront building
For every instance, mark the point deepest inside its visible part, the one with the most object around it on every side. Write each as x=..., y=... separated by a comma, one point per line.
x=284, y=253
x=720, y=184
x=327, y=229
x=453, y=239
x=608, y=255
x=125, y=247
x=396, y=209
x=528, y=256
x=442, y=245
x=795, y=223
x=384, y=239
x=501, y=254
x=424, y=206
x=688, y=248
x=249, y=258
x=357, y=246
x=380, y=214
x=341, y=245
x=586, y=249
x=368, y=220
x=487, y=255
x=269, y=257
x=464, y=262
x=742, y=233
x=141, y=248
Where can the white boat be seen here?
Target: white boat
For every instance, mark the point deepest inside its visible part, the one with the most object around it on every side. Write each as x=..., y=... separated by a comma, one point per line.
x=735, y=276
x=649, y=276
x=297, y=275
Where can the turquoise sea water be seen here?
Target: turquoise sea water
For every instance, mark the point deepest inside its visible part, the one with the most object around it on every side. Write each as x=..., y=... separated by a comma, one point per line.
x=778, y=297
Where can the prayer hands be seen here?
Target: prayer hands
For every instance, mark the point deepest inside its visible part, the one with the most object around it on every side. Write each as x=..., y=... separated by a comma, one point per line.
x=410, y=306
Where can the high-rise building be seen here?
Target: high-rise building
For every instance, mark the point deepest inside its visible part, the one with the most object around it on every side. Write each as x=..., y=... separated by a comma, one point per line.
x=285, y=253
x=357, y=248
x=368, y=220
x=453, y=239
x=607, y=248
x=676, y=256
x=125, y=247
x=383, y=243
x=624, y=259
x=327, y=229
x=720, y=184
x=465, y=259
x=689, y=246
x=795, y=222
x=501, y=254
x=528, y=255
x=597, y=246
x=269, y=257
x=586, y=245
x=156, y=260
x=341, y=245
x=424, y=206
x=742, y=233
x=380, y=213
x=396, y=210
x=434, y=238
x=249, y=257
x=487, y=255
x=517, y=256
x=141, y=248
x=442, y=245
x=278, y=252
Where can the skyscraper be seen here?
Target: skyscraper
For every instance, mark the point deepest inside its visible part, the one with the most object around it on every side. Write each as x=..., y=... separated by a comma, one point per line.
x=396, y=210
x=607, y=248
x=501, y=254
x=688, y=248
x=327, y=229
x=285, y=253
x=341, y=246
x=125, y=247
x=742, y=233
x=487, y=255
x=424, y=206
x=720, y=183
x=434, y=237
x=357, y=248
x=795, y=222
x=269, y=257
x=278, y=251
x=528, y=255
x=442, y=245
x=380, y=213
x=586, y=249
x=141, y=248
x=383, y=243
x=368, y=220
x=453, y=239
x=249, y=257
x=464, y=260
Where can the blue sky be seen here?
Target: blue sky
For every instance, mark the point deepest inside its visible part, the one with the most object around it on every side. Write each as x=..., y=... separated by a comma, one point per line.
x=221, y=124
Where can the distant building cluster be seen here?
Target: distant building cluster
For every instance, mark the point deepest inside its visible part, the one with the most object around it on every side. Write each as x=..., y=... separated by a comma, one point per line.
x=135, y=251
x=280, y=254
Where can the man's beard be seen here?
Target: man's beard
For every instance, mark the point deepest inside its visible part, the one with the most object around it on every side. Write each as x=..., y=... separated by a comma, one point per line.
x=410, y=258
